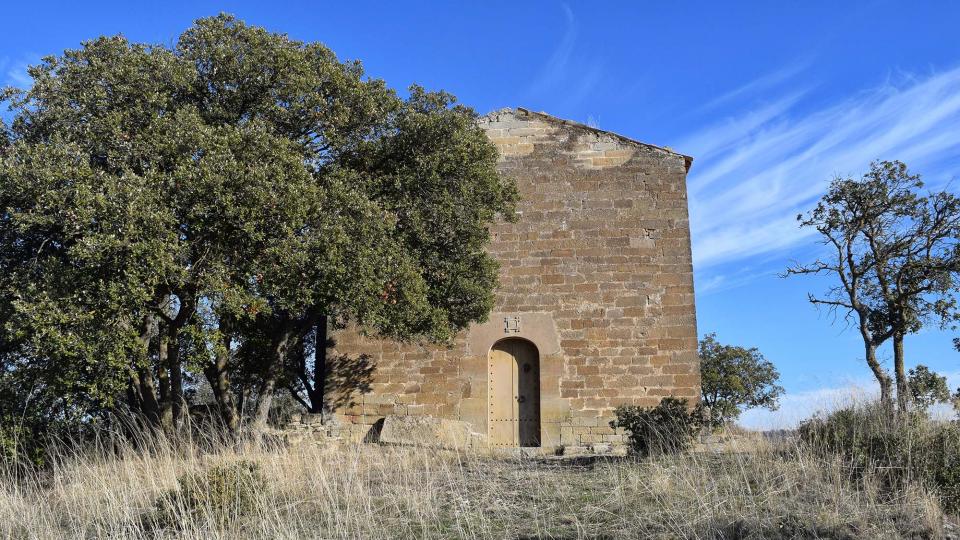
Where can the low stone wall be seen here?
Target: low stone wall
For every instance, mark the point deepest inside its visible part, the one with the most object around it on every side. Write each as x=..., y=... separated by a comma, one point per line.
x=432, y=432
x=428, y=431
x=313, y=428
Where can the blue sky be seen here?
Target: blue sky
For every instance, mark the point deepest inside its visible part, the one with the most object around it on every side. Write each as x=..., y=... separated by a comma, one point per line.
x=771, y=98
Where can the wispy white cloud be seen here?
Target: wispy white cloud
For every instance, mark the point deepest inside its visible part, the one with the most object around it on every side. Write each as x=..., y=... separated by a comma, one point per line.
x=14, y=72
x=565, y=73
x=580, y=88
x=730, y=280
x=756, y=171
x=554, y=71
x=761, y=83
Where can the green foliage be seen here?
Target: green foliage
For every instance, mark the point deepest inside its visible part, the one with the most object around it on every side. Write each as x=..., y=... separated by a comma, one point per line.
x=21, y=439
x=222, y=494
x=19, y=444
x=668, y=428
x=31, y=417
x=168, y=213
x=735, y=378
x=906, y=448
x=927, y=387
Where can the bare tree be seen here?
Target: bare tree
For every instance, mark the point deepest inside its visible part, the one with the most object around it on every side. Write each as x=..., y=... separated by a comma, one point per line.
x=895, y=253
x=917, y=258
x=840, y=226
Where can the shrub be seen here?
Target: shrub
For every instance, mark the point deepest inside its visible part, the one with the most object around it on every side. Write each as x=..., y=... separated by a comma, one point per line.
x=19, y=445
x=900, y=449
x=927, y=388
x=222, y=493
x=734, y=379
x=668, y=428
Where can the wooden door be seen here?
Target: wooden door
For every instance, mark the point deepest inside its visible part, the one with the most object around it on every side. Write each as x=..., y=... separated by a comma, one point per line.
x=514, y=394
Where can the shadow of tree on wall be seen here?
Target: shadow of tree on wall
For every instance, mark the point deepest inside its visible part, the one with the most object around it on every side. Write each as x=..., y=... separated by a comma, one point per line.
x=347, y=377
x=323, y=381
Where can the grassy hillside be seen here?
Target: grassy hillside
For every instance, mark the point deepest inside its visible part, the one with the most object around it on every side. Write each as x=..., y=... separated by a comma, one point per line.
x=772, y=491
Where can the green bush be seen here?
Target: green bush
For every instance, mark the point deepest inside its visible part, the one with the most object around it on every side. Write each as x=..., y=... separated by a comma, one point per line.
x=899, y=449
x=18, y=445
x=222, y=493
x=668, y=428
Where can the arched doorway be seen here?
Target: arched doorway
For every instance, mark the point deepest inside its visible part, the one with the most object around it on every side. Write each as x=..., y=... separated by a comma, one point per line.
x=513, y=416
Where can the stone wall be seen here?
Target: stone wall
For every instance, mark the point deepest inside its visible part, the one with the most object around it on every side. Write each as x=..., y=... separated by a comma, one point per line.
x=597, y=273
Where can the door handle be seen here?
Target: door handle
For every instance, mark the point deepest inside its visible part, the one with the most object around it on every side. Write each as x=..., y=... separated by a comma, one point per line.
x=521, y=399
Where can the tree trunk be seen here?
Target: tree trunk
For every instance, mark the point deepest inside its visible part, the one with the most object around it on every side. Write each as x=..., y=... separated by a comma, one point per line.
x=299, y=368
x=903, y=387
x=870, y=353
x=141, y=397
x=269, y=385
x=318, y=396
x=176, y=374
x=881, y=375
x=141, y=394
x=216, y=373
x=290, y=332
x=314, y=384
x=150, y=407
x=176, y=402
x=163, y=378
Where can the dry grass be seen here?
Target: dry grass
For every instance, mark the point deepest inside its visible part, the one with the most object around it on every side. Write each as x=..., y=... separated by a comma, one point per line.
x=370, y=491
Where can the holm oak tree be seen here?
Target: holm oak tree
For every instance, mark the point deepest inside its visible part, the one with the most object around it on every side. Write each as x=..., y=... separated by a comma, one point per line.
x=199, y=210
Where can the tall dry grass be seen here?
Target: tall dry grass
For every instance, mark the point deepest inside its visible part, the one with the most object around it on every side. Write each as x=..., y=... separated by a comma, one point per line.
x=369, y=491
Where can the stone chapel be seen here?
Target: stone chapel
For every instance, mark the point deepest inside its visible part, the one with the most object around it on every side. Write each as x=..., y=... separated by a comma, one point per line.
x=595, y=306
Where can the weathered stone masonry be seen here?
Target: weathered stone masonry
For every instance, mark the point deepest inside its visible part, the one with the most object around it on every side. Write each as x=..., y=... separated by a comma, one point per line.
x=597, y=274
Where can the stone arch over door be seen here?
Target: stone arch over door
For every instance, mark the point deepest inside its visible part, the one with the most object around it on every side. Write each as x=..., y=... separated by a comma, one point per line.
x=513, y=388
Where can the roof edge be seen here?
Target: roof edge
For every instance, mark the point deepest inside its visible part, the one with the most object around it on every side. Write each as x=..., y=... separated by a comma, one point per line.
x=688, y=160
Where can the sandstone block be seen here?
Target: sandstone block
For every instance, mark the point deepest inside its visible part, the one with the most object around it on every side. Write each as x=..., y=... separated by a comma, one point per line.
x=428, y=431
